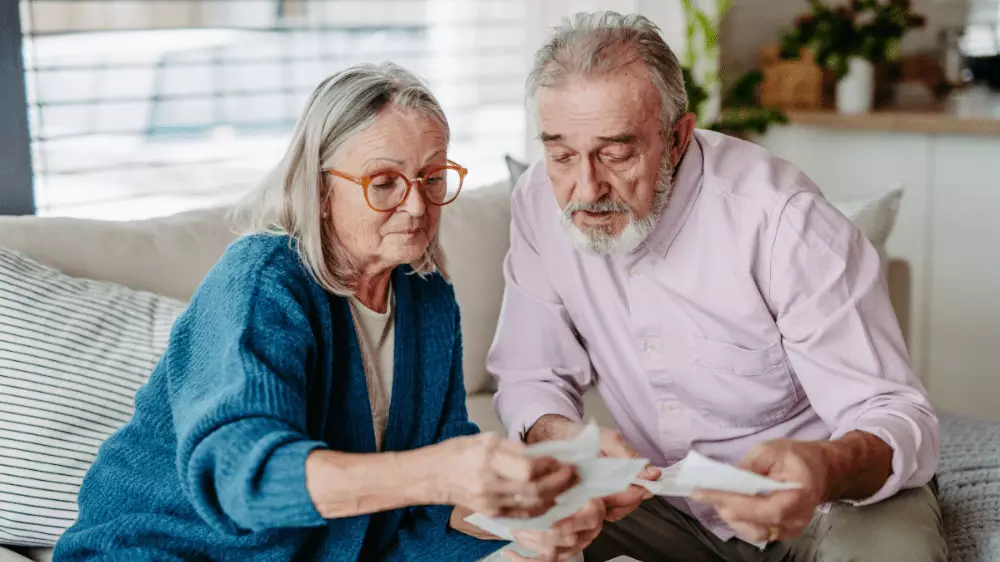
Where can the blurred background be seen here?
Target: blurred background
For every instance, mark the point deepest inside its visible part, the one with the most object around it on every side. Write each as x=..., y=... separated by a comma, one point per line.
x=147, y=107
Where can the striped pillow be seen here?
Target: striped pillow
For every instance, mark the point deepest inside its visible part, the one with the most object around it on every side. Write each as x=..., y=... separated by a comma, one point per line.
x=72, y=354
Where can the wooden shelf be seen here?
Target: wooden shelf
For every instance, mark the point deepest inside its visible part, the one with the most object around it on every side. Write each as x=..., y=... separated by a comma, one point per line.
x=926, y=122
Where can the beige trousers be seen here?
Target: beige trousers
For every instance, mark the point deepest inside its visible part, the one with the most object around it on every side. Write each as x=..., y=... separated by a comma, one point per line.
x=904, y=528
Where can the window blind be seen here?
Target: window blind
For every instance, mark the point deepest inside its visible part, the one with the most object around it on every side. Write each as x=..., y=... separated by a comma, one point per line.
x=141, y=108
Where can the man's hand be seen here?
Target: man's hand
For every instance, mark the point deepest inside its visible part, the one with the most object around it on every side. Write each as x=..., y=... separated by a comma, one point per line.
x=552, y=427
x=566, y=539
x=853, y=467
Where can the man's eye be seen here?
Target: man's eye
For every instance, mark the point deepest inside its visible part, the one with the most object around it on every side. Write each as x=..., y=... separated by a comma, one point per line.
x=561, y=158
x=617, y=157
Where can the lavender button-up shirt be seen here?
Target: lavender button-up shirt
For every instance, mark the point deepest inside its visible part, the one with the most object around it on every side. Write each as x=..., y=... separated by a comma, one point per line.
x=754, y=311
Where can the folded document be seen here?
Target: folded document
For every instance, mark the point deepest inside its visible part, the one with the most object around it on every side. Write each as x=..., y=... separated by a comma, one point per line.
x=698, y=471
x=600, y=477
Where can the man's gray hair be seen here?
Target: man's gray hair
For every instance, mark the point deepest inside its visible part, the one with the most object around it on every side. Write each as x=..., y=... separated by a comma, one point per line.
x=292, y=198
x=593, y=44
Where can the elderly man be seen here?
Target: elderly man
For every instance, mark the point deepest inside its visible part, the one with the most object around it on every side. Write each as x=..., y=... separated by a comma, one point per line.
x=719, y=304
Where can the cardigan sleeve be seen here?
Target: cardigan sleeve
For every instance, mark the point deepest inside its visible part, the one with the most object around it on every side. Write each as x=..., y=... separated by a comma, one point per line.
x=238, y=368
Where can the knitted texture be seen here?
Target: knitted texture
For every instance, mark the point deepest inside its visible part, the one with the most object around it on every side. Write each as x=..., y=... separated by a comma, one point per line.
x=969, y=479
x=263, y=368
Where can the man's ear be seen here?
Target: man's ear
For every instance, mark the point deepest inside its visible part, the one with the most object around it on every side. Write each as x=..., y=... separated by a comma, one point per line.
x=679, y=137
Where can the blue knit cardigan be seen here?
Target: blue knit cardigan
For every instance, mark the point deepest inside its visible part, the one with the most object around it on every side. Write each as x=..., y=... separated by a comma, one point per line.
x=262, y=368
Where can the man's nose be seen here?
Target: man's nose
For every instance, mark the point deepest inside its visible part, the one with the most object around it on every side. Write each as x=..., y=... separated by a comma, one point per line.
x=589, y=186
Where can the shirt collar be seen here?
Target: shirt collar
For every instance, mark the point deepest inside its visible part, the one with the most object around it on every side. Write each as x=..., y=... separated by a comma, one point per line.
x=687, y=184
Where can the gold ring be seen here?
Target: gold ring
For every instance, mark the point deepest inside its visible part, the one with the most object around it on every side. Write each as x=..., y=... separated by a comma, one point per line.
x=772, y=533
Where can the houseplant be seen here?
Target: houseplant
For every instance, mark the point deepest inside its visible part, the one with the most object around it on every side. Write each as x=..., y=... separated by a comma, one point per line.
x=850, y=40
x=735, y=113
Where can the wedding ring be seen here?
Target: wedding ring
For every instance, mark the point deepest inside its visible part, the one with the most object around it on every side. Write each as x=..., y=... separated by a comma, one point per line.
x=772, y=533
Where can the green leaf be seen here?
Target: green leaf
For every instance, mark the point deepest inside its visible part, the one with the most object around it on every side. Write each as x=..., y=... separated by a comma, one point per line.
x=708, y=29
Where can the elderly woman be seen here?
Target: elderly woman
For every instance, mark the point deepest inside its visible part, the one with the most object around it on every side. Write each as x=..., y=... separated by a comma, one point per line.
x=310, y=405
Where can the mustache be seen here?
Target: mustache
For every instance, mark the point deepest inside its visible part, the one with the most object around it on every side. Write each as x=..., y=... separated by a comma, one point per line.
x=602, y=205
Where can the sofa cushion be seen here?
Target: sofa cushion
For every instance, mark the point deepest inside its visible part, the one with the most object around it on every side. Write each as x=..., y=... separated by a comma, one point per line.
x=874, y=214
x=475, y=234
x=168, y=256
x=72, y=354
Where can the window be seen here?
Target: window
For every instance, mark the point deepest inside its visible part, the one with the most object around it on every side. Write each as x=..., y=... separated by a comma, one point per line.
x=141, y=108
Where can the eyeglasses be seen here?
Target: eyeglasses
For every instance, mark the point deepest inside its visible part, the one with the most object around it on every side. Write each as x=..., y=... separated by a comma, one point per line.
x=386, y=191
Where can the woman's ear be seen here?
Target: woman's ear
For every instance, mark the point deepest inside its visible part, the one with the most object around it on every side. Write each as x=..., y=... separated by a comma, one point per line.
x=679, y=137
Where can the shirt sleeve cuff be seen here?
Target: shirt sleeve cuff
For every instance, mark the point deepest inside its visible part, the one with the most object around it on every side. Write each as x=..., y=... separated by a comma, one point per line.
x=904, y=457
x=521, y=420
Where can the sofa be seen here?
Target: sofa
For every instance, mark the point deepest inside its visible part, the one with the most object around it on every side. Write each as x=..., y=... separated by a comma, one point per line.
x=169, y=256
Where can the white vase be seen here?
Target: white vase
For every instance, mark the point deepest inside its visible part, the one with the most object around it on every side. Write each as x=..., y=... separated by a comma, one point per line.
x=856, y=90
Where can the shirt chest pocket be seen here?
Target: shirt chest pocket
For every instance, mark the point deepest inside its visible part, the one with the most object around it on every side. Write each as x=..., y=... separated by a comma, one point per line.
x=734, y=386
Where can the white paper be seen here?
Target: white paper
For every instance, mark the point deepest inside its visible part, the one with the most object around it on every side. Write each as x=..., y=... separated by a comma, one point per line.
x=598, y=477
x=698, y=471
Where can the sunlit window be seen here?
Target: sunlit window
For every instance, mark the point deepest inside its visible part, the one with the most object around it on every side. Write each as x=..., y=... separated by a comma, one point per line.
x=142, y=108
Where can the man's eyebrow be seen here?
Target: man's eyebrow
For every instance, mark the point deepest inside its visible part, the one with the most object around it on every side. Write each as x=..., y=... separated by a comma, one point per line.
x=624, y=138
x=549, y=137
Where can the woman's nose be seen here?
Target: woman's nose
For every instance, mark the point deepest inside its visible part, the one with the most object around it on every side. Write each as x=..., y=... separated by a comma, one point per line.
x=414, y=203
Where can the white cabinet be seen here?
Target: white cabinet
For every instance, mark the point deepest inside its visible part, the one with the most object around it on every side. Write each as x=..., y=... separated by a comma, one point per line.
x=964, y=284
x=948, y=230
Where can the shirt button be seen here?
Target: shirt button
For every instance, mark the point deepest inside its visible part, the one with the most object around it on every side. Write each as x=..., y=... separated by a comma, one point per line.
x=669, y=408
x=634, y=272
x=650, y=346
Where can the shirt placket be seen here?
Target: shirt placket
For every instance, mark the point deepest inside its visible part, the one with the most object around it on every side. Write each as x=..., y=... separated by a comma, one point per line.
x=653, y=349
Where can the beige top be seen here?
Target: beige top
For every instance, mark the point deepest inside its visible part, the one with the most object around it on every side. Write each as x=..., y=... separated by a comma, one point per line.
x=376, y=336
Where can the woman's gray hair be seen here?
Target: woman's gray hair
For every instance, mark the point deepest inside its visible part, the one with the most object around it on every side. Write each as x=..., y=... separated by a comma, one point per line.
x=592, y=44
x=292, y=198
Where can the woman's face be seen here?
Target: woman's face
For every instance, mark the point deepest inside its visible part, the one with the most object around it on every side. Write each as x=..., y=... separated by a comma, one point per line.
x=403, y=141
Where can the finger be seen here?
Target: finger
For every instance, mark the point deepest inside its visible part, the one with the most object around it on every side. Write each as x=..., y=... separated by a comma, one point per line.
x=618, y=513
x=523, y=512
x=588, y=518
x=719, y=497
x=736, y=507
x=542, y=543
x=557, y=481
x=760, y=460
x=633, y=496
x=650, y=473
x=507, y=493
x=772, y=509
x=750, y=531
x=513, y=465
x=614, y=445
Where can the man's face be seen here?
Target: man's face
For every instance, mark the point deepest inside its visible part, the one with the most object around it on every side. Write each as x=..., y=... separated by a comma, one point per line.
x=607, y=157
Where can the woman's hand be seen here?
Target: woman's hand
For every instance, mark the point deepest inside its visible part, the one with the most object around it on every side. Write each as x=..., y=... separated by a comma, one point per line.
x=490, y=475
x=566, y=539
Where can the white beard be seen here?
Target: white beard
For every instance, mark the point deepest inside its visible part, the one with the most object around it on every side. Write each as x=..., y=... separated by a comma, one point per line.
x=600, y=242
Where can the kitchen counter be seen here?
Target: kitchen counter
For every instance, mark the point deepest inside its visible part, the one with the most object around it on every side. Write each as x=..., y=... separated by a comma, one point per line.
x=969, y=113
